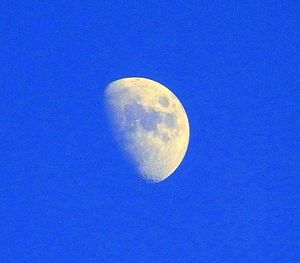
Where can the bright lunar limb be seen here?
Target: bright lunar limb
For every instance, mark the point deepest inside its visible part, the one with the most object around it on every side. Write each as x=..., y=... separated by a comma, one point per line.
x=150, y=124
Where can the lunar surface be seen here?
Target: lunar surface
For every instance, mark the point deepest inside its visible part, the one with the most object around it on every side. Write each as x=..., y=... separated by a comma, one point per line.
x=150, y=124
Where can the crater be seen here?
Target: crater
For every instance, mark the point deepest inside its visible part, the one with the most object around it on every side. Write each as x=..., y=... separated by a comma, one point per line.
x=163, y=101
x=170, y=119
x=150, y=120
x=165, y=137
x=133, y=112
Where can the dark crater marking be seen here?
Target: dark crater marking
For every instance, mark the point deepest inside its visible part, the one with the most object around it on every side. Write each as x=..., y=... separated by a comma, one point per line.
x=149, y=119
x=163, y=101
x=170, y=119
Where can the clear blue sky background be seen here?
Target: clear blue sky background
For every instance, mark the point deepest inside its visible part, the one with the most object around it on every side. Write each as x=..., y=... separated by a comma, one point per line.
x=66, y=193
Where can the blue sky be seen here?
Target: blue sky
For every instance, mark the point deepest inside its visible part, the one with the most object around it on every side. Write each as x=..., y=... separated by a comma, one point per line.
x=66, y=192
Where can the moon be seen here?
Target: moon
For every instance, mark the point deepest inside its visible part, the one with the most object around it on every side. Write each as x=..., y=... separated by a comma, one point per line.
x=150, y=124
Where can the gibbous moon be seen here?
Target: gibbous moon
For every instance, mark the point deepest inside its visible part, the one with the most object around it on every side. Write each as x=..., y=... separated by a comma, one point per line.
x=150, y=124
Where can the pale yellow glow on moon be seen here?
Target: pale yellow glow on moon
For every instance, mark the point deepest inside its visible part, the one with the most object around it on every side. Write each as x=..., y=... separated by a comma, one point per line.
x=151, y=125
